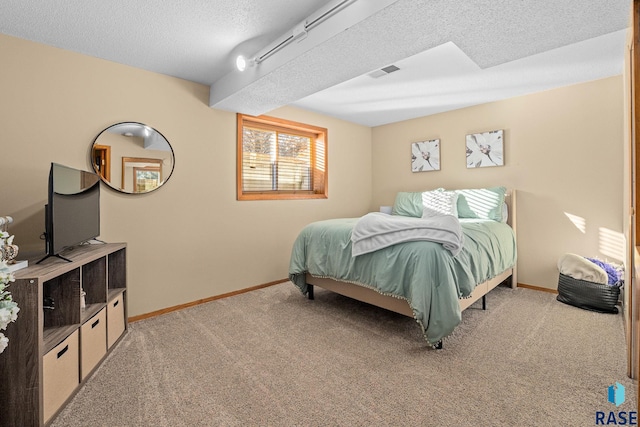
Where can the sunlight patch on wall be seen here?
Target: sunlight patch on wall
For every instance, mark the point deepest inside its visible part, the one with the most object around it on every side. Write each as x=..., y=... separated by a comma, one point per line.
x=578, y=221
x=611, y=244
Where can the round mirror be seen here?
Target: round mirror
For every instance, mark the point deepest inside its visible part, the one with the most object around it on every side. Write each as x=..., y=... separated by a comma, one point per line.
x=132, y=157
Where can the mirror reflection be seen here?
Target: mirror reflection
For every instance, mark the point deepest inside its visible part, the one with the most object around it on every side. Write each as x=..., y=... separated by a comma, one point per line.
x=69, y=181
x=132, y=157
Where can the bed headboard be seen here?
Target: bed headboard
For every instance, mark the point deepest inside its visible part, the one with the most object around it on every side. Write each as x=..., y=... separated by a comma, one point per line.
x=510, y=200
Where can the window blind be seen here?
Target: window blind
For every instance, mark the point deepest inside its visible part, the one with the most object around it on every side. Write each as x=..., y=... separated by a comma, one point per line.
x=281, y=160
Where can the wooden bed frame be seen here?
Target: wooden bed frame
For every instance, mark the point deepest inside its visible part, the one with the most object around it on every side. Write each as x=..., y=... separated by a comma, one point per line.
x=401, y=306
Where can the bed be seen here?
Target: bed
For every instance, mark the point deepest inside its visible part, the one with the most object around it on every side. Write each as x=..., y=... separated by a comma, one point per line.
x=419, y=279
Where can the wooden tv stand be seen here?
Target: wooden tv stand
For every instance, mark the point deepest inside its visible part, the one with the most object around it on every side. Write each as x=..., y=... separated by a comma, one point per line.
x=53, y=351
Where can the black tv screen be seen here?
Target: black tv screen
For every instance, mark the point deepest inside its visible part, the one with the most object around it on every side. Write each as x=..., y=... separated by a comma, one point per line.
x=72, y=215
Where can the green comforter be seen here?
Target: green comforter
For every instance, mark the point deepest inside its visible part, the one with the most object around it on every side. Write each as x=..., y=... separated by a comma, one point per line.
x=423, y=273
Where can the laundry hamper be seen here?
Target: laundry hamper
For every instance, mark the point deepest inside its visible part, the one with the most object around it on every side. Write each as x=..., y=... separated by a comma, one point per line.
x=588, y=295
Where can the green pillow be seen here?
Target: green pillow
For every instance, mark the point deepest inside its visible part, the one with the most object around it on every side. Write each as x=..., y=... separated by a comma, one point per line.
x=482, y=203
x=408, y=204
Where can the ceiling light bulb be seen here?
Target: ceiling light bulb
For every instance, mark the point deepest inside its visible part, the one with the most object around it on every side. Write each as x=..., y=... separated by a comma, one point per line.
x=241, y=63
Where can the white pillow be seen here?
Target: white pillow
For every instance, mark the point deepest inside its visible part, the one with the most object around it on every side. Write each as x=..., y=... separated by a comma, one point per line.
x=439, y=203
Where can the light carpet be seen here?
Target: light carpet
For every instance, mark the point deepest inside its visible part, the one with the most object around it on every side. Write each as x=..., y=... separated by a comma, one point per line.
x=271, y=357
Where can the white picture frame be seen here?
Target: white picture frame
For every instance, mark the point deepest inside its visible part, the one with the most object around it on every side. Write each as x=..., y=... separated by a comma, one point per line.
x=425, y=155
x=485, y=149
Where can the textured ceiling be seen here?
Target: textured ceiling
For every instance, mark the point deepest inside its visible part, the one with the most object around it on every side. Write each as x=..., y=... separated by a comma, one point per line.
x=450, y=53
x=192, y=39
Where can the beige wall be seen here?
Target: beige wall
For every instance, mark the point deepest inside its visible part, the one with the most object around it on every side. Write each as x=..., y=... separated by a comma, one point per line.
x=190, y=239
x=563, y=153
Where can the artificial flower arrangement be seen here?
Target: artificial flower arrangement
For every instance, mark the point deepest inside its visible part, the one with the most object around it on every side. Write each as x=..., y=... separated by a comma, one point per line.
x=8, y=308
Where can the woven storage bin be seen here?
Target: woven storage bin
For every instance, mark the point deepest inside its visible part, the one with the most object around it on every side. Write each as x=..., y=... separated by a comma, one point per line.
x=588, y=295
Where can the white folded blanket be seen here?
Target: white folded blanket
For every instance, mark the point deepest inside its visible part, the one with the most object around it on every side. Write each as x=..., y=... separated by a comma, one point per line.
x=580, y=268
x=377, y=230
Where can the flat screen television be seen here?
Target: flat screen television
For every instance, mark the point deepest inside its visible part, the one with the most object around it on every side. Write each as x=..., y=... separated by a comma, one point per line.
x=72, y=213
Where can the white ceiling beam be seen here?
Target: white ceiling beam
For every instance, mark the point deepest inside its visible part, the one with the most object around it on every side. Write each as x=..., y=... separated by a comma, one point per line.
x=223, y=91
x=489, y=32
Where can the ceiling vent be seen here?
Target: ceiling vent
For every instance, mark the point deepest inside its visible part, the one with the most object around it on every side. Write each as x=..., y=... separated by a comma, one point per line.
x=383, y=71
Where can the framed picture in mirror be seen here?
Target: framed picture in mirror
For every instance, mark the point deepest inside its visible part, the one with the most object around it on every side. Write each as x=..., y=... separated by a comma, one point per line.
x=144, y=174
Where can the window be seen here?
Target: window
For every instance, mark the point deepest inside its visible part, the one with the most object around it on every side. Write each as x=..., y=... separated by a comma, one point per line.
x=280, y=159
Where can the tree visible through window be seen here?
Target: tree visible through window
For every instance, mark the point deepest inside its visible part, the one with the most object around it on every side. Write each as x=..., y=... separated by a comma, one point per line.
x=280, y=159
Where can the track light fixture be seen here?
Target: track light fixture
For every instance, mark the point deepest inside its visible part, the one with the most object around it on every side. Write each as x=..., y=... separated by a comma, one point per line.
x=298, y=33
x=241, y=63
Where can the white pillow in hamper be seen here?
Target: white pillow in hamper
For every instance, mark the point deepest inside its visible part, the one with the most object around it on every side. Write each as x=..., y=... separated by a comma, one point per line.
x=439, y=202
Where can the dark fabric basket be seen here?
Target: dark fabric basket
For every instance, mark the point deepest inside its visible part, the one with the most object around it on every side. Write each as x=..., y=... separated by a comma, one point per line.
x=588, y=295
